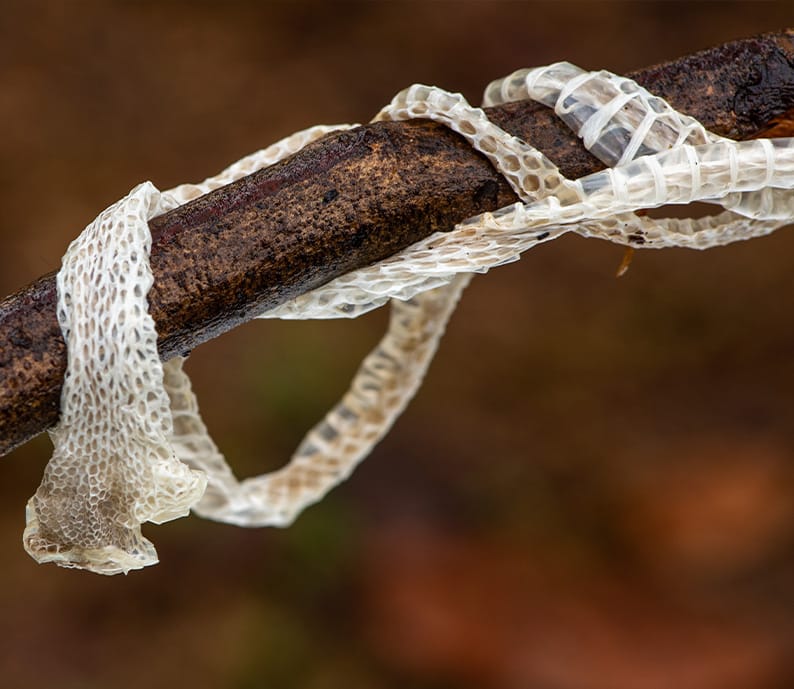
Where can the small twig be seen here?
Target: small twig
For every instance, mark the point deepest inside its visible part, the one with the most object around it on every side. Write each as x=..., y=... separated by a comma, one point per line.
x=347, y=201
x=628, y=255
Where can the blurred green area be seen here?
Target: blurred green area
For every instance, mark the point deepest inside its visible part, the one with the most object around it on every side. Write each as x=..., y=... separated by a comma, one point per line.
x=593, y=490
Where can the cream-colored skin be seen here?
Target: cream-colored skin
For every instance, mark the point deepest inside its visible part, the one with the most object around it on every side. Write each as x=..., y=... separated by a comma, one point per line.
x=618, y=121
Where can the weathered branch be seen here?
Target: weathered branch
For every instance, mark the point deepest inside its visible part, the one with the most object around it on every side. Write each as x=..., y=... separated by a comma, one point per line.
x=347, y=201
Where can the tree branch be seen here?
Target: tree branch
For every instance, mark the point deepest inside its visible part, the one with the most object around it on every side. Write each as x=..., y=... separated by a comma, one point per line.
x=350, y=200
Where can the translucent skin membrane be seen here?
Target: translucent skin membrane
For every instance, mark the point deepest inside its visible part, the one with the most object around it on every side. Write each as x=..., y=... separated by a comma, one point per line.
x=130, y=445
x=113, y=467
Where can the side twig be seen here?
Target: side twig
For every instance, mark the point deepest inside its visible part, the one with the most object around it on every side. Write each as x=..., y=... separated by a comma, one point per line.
x=350, y=200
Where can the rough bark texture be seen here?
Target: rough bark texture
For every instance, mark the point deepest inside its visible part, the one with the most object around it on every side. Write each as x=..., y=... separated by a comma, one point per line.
x=349, y=200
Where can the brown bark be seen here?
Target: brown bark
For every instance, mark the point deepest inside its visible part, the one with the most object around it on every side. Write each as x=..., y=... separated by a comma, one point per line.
x=349, y=200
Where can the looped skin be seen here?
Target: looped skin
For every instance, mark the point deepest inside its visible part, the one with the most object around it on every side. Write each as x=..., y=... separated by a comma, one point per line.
x=131, y=446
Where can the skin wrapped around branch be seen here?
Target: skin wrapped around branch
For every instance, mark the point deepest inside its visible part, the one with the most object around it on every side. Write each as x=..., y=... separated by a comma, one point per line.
x=349, y=200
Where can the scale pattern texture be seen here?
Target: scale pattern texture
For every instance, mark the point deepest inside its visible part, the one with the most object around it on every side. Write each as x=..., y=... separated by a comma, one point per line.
x=113, y=467
x=131, y=446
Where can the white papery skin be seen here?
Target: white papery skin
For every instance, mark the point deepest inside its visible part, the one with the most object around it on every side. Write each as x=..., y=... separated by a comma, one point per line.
x=618, y=120
x=113, y=465
x=384, y=384
x=389, y=376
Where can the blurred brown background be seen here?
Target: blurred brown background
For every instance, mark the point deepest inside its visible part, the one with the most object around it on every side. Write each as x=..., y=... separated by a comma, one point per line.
x=593, y=490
